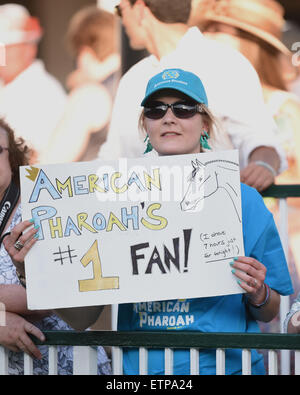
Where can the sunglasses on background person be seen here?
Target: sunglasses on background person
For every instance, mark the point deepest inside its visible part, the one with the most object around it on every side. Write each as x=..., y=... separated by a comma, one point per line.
x=118, y=11
x=182, y=110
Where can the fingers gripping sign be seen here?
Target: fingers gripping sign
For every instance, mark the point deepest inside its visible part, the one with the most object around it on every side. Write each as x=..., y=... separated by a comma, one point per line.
x=19, y=242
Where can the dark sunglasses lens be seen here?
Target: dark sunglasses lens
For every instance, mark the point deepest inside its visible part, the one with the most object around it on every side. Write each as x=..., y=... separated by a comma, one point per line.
x=118, y=11
x=154, y=112
x=184, y=110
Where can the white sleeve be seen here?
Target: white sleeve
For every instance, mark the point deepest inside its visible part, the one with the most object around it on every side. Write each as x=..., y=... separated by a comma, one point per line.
x=242, y=108
x=243, y=138
x=111, y=149
x=123, y=138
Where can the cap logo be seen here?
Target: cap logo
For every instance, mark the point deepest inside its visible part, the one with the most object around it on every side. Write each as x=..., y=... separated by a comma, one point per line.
x=170, y=74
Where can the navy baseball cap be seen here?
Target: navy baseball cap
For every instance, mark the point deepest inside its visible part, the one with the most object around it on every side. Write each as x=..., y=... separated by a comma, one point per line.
x=179, y=80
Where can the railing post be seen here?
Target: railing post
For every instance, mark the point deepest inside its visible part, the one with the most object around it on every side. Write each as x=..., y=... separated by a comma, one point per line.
x=53, y=360
x=3, y=361
x=84, y=360
x=28, y=365
x=143, y=360
x=117, y=360
x=246, y=362
x=220, y=361
x=297, y=362
x=194, y=361
x=273, y=362
x=169, y=360
x=284, y=300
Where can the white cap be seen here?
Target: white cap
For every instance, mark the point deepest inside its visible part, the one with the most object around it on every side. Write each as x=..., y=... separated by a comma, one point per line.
x=17, y=26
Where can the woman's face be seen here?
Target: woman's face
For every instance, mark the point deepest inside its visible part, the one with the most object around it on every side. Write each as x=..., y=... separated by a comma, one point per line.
x=5, y=169
x=175, y=136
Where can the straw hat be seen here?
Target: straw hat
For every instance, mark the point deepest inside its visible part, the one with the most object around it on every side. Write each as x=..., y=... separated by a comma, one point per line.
x=17, y=26
x=262, y=18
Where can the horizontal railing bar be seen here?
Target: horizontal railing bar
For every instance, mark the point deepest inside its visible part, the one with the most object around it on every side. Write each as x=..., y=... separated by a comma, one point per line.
x=180, y=339
x=282, y=191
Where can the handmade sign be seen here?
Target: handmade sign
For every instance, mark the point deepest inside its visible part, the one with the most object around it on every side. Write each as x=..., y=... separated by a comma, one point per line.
x=133, y=230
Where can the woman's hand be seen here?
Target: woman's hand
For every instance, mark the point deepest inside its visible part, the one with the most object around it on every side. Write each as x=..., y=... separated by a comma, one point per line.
x=250, y=275
x=14, y=335
x=294, y=323
x=25, y=240
x=263, y=302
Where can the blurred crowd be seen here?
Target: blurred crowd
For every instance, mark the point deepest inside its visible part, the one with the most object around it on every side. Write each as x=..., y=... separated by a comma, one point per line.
x=236, y=47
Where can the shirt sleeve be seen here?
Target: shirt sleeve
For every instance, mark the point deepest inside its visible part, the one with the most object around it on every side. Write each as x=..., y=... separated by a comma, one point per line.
x=262, y=241
x=241, y=106
x=269, y=247
x=111, y=148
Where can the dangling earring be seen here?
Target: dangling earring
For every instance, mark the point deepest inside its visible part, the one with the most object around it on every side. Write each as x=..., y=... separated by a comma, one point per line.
x=203, y=140
x=149, y=147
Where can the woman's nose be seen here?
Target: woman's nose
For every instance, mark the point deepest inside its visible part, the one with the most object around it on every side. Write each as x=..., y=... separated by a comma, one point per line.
x=169, y=116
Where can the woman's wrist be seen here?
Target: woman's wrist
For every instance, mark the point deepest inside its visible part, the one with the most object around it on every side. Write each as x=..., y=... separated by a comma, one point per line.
x=262, y=301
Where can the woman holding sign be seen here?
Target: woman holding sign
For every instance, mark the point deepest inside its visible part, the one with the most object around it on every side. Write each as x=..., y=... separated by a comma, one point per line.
x=16, y=321
x=177, y=121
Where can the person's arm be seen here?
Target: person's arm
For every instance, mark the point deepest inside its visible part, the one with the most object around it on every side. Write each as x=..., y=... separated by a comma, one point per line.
x=292, y=321
x=111, y=148
x=263, y=166
x=80, y=318
x=13, y=297
x=263, y=302
x=270, y=307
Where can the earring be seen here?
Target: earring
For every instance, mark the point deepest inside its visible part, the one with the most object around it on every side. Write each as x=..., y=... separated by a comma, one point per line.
x=149, y=147
x=203, y=140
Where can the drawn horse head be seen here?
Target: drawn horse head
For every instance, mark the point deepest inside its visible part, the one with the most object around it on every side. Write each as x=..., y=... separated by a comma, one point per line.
x=201, y=185
x=208, y=178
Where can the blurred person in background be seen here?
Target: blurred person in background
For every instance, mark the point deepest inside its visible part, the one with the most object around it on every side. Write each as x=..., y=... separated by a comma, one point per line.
x=232, y=84
x=19, y=321
x=291, y=38
x=93, y=38
x=254, y=28
x=31, y=100
x=292, y=320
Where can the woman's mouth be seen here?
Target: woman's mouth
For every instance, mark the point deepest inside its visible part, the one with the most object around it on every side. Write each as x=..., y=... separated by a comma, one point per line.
x=170, y=134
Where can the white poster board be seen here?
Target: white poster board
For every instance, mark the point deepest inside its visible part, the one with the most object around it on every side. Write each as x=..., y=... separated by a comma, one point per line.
x=133, y=230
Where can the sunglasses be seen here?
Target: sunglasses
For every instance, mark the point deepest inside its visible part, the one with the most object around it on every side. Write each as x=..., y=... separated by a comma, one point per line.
x=118, y=11
x=180, y=110
x=2, y=149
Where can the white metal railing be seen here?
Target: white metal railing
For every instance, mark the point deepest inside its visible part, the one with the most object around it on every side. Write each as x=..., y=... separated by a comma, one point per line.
x=85, y=357
x=85, y=362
